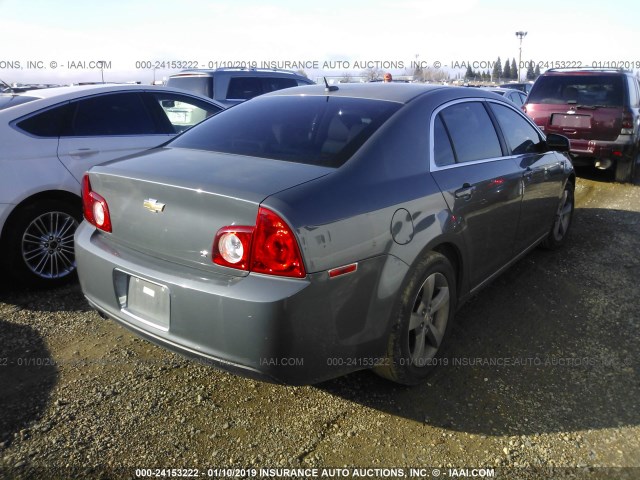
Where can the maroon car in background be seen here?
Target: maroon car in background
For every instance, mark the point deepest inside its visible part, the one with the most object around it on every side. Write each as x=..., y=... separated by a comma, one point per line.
x=597, y=109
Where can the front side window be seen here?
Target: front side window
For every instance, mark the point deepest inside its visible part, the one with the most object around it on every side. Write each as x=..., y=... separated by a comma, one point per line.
x=315, y=130
x=519, y=134
x=471, y=132
x=111, y=114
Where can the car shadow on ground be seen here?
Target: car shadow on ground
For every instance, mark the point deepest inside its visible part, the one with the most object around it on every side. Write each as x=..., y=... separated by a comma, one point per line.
x=28, y=375
x=604, y=176
x=61, y=299
x=550, y=346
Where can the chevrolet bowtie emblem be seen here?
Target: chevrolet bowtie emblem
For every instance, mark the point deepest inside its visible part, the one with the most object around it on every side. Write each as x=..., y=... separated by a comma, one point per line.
x=153, y=205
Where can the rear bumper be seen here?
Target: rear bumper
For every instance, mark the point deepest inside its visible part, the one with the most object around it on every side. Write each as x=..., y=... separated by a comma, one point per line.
x=295, y=331
x=586, y=152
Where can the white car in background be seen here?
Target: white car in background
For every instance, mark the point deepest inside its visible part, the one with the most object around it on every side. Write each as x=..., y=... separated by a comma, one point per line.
x=49, y=138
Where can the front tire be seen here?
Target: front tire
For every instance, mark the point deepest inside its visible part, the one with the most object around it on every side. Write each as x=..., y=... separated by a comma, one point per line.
x=422, y=321
x=38, y=249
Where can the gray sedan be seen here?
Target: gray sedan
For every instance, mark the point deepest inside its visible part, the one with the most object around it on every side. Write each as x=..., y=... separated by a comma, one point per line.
x=314, y=231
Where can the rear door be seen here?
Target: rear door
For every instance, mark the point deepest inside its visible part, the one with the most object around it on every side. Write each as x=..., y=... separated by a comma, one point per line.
x=105, y=127
x=480, y=185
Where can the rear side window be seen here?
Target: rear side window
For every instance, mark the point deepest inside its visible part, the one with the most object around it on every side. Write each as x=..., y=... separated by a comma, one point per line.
x=202, y=85
x=275, y=83
x=587, y=90
x=520, y=135
x=111, y=114
x=516, y=98
x=244, y=88
x=314, y=130
x=634, y=101
x=442, y=149
x=49, y=123
x=471, y=131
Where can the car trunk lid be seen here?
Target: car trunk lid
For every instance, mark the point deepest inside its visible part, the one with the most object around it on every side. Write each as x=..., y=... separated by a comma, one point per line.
x=169, y=203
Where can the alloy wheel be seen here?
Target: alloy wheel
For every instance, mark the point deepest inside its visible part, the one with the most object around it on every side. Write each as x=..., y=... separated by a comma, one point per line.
x=47, y=245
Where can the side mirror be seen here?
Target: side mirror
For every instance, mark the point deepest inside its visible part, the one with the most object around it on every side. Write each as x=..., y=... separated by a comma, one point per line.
x=168, y=103
x=559, y=143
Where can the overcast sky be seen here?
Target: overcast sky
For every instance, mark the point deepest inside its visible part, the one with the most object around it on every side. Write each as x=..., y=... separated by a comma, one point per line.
x=210, y=33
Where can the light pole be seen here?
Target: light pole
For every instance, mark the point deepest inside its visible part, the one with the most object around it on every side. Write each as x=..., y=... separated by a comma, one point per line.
x=101, y=62
x=520, y=35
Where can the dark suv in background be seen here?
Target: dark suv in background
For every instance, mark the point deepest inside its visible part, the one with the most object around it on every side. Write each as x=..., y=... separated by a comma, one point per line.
x=230, y=86
x=597, y=109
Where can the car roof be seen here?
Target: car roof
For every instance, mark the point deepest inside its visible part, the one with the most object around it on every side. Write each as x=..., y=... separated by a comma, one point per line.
x=584, y=71
x=399, y=92
x=506, y=90
x=260, y=72
x=51, y=96
x=82, y=90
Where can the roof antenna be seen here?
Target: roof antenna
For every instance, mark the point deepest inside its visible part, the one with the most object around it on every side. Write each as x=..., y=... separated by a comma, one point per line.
x=9, y=88
x=329, y=88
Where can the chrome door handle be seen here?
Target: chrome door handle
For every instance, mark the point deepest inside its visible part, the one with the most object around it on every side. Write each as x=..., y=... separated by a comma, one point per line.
x=465, y=192
x=83, y=152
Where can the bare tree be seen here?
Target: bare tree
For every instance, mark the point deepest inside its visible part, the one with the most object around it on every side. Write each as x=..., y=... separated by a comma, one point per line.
x=372, y=74
x=346, y=78
x=431, y=74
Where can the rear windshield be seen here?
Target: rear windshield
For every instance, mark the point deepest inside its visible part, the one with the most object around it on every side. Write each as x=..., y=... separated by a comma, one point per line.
x=200, y=85
x=314, y=130
x=7, y=101
x=588, y=90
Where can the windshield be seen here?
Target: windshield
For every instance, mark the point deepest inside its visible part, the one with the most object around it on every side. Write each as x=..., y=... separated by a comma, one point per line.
x=8, y=100
x=587, y=90
x=315, y=130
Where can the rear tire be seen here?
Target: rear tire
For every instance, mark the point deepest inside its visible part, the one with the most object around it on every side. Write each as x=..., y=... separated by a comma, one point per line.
x=625, y=169
x=564, y=217
x=38, y=246
x=422, y=321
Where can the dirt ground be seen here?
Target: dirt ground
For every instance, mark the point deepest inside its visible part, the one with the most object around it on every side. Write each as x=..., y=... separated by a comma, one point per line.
x=542, y=381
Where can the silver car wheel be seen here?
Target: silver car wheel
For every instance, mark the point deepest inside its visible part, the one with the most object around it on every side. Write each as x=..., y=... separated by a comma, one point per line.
x=429, y=318
x=47, y=245
x=563, y=217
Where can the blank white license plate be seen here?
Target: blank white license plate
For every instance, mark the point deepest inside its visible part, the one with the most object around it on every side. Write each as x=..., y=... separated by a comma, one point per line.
x=148, y=302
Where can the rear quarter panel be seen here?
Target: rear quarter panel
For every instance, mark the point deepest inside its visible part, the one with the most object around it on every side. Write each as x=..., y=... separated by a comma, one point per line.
x=383, y=203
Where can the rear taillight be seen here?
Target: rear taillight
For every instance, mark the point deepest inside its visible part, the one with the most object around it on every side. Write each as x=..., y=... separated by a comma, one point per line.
x=94, y=207
x=627, y=123
x=275, y=248
x=270, y=247
x=232, y=247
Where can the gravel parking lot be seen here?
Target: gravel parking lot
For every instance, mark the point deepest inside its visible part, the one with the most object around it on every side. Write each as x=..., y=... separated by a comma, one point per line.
x=542, y=380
